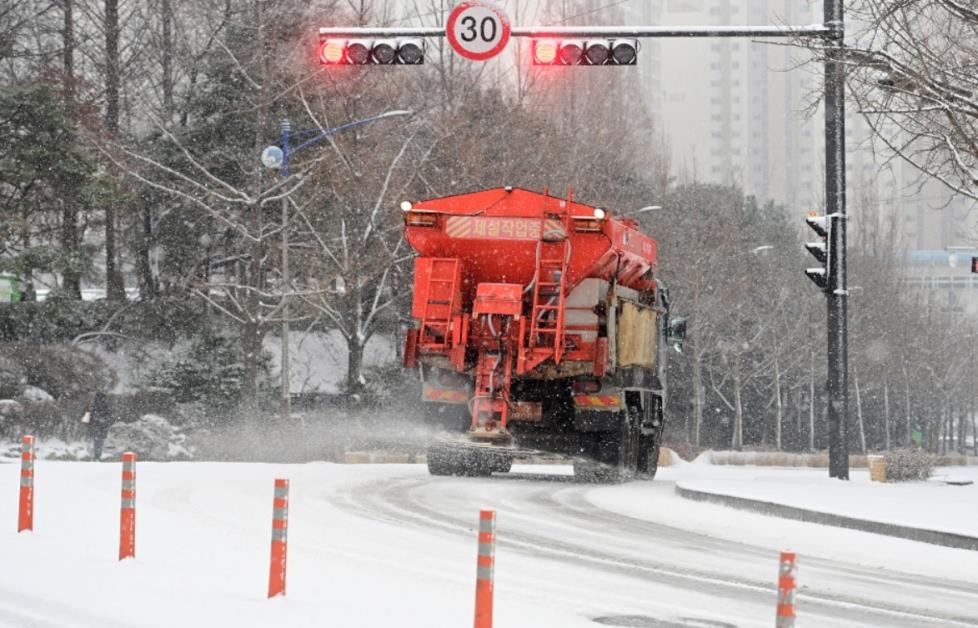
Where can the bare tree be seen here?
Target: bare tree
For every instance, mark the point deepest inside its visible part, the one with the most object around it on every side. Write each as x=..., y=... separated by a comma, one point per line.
x=912, y=72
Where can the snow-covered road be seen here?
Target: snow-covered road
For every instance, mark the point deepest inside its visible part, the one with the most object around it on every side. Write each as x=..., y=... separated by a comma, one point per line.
x=388, y=544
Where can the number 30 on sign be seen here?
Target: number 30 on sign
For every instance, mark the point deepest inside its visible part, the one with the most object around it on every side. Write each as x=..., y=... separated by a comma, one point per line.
x=478, y=30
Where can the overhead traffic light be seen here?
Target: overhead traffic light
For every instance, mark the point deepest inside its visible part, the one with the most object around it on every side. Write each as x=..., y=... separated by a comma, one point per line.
x=584, y=52
x=821, y=250
x=974, y=264
x=409, y=51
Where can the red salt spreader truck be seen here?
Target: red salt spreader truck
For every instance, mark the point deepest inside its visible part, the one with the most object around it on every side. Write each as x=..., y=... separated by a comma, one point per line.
x=539, y=327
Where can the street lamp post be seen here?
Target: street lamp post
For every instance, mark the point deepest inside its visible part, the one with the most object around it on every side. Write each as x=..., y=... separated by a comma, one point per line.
x=277, y=157
x=285, y=408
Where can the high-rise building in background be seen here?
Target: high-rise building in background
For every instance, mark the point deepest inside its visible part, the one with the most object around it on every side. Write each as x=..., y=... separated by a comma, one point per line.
x=749, y=112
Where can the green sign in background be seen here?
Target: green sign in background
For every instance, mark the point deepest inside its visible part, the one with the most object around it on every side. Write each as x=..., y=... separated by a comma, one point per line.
x=9, y=292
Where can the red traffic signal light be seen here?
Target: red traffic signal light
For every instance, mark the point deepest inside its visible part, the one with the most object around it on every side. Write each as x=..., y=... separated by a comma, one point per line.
x=408, y=51
x=332, y=51
x=546, y=51
x=974, y=264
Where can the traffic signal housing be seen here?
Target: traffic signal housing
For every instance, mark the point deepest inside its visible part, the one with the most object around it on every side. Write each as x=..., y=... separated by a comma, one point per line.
x=974, y=264
x=821, y=250
x=549, y=51
x=406, y=51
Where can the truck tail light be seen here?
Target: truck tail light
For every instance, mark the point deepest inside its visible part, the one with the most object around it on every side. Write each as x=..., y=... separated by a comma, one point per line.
x=419, y=219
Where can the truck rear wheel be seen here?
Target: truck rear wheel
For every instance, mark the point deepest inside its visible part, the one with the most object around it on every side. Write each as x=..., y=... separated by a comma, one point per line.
x=649, y=445
x=648, y=455
x=613, y=454
x=441, y=462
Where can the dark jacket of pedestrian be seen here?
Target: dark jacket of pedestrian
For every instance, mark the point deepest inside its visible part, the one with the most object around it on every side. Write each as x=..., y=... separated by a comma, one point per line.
x=99, y=422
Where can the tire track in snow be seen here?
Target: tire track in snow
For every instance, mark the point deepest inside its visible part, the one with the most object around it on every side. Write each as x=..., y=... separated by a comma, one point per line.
x=402, y=501
x=574, y=504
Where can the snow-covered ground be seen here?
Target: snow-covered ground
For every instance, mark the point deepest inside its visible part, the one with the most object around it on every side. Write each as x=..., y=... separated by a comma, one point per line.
x=931, y=505
x=376, y=545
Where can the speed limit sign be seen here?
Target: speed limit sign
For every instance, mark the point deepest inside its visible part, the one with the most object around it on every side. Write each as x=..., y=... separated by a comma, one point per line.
x=478, y=30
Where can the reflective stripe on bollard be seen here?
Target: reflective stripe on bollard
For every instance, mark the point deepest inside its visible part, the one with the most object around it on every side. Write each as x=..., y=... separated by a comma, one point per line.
x=25, y=515
x=127, y=516
x=485, y=567
x=280, y=530
x=786, y=591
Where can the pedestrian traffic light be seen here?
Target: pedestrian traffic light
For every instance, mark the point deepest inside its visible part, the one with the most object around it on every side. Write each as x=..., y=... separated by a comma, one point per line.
x=584, y=52
x=821, y=249
x=408, y=51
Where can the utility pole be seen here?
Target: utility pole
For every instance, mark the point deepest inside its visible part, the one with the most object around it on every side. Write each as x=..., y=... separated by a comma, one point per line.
x=837, y=293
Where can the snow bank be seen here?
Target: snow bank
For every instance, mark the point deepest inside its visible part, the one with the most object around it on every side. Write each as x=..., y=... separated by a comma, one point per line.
x=932, y=505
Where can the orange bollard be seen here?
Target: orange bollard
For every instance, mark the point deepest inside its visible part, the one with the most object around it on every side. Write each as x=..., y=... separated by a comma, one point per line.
x=127, y=518
x=485, y=566
x=280, y=541
x=25, y=515
x=786, y=591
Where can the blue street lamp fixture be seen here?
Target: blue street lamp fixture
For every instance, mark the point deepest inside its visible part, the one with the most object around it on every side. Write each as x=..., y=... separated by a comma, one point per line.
x=277, y=158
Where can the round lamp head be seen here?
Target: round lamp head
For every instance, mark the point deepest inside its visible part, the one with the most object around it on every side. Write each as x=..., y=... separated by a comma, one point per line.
x=358, y=51
x=385, y=51
x=544, y=51
x=570, y=52
x=624, y=51
x=411, y=51
x=272, y=157
x=597, y=52
x=332, y=51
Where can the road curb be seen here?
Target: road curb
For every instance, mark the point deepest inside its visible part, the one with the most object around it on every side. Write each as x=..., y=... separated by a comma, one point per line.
x=934, y=537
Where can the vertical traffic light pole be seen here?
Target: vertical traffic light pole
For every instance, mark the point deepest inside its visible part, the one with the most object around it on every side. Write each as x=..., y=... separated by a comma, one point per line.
x=833, y=278
x=836, y=292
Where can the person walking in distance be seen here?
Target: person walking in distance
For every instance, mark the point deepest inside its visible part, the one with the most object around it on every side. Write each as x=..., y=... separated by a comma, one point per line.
x=98, y=422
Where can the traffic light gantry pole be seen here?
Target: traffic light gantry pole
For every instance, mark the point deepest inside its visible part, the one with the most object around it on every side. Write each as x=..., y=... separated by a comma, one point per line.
x=833, y=277
x=813, y=30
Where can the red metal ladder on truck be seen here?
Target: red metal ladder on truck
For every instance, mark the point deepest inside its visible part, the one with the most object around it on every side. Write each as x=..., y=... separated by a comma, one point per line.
x=440, y=303
x=549, y=294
